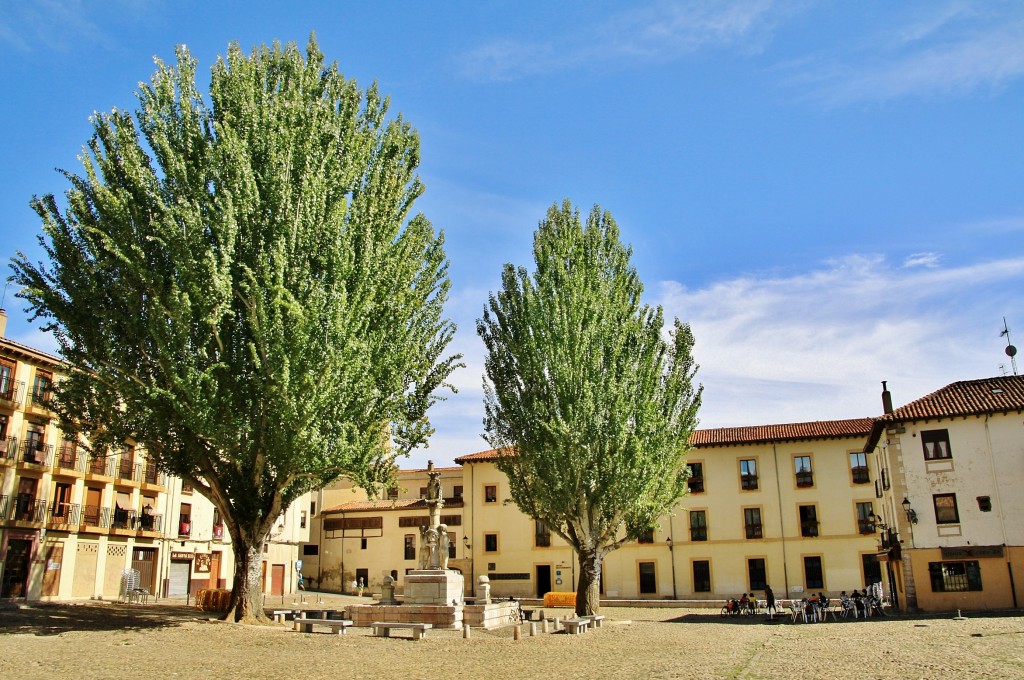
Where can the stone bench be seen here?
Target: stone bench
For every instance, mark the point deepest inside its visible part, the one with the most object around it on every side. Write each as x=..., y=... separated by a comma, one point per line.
x=282, y=615
x=383, y=629
x=304, y=625
x=575, y=626
x=596, y=619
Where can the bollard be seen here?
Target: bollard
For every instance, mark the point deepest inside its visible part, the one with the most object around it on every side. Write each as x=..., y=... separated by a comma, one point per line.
x=533, y=629
x=465, y=631
x=545, y=626
x=558, y=624
x=517, y=632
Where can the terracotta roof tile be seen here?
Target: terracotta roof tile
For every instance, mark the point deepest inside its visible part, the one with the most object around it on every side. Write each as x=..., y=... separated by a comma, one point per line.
x=965, y=398
x=757, y=434
x=754, y=434
x=490, y=454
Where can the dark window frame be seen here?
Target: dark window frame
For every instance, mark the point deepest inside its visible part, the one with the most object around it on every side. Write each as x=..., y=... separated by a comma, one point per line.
x=696, y=481
x=955, y=576
x=701, y=576
x=946, y=514
x=932, y=442
x=859, y=471
x=804, y=476
x=491, y=543
x=753, y=528
x=814, y=574
x=698, y=528
x=748, y=474
x=757, y=573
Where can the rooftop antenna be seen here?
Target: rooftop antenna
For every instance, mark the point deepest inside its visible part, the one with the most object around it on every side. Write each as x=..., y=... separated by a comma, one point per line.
x=3, y=300
x=1010, y=350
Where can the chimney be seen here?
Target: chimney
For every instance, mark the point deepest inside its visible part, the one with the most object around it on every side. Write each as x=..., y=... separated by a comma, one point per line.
x=3, y=323
x=886, y=399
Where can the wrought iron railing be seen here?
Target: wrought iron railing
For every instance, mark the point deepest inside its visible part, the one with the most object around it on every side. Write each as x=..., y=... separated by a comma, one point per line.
x=37, y=452
x=23, y=508
x=150, y=522
x=95, y=516
x=12, y=390
x=8, y=449
x=129, y=471
x=151, y=475
x=69, y=457
x=39, y=397
x=102, y=465
x=64, y=513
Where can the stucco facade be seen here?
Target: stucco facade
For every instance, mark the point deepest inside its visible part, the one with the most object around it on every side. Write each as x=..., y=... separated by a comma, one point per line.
x=71, y=523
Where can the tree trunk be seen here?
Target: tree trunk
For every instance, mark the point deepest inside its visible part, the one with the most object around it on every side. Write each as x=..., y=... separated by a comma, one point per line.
x=588, y=593
x=247, y=589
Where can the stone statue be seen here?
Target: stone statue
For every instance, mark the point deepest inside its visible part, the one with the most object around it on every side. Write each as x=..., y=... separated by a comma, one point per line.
x=428, y=548
x=443, y=541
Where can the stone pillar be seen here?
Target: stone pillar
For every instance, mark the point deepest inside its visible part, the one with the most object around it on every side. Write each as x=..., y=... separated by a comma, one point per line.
x=387, y=591
x=483, y=590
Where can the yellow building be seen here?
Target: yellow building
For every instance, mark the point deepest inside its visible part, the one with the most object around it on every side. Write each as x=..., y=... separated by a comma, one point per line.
x=70, y=525
x=955, y=506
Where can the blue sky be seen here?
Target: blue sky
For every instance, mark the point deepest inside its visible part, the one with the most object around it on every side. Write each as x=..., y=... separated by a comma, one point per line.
x=829, y=192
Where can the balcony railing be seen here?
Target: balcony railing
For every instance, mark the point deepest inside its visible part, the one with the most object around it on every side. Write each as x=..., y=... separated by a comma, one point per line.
x=152, y=475
x=184, y=526
x=39, y=398
x=8, y=449
x=69, y=457
x=754, y=531
x=22, y=508
x=804, y=479
x=95, y=516
x=748, y=482
x=861, y=475
x=129, y=471
x=809, y=528
x=125, y=519
x=102, y=465
x=150, y=522
x=12, y=390
x=218, y=531
x=64, y=513
x=37, y=453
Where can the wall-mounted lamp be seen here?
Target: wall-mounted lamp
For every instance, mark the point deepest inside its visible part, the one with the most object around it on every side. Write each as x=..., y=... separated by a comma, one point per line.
x=911, y=513
x=875, y=524
x=465, y=542
x=669, y=541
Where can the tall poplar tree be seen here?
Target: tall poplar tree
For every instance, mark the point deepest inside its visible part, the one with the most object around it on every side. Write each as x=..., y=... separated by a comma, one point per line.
x=595, y=402
x=238, y=285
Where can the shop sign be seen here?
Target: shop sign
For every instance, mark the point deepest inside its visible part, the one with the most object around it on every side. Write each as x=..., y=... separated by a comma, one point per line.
x=202, y=565
x=182, y=556
x=972, y=551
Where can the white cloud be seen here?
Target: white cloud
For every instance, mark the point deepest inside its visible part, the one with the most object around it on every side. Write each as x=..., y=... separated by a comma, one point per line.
x=816, y=345
x=658, y=31
x=922, y=260
x=954, y=50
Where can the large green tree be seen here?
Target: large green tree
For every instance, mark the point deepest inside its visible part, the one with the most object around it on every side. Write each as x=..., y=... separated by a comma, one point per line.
x=237, y=284
x=594, y=400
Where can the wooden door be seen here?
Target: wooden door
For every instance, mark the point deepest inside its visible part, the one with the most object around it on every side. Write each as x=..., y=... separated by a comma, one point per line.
x=26, y=499
x=91, y=514
x=144, y=562
x=215, y=569
x=51, y=575
x=16, y=564
x=277, y=579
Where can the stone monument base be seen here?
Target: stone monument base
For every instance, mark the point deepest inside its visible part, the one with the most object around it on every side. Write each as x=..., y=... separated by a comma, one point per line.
x=439, y=587
x=438, y=616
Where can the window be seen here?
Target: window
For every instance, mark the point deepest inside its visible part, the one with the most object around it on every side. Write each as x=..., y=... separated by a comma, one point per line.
x=808, y=521
x=393, y=493
x=185, y=520
x=954, y=577
x=302, y=520
x=752, y=522
x=41, y=386
x=859, y=468
x=490, y=542
x=802, y=468
x=872, y=569
x=451, y=545
x=490, y=493
x=945, y=508
x=410, y=547
x=646, y=536
x=363, y=543
x=310, y=549
x=541, y=534
x=866, y=518
x=813, y=574
x=701, y=576
x=423, y=492
x=458, y=491
x=312, y=508
x=696, y=477
x=984, y=503
x=698, y=525
x=936, y=444
x=218, y=524
x=7, y=383
x=756, y=573
x=748, y=474
x=648, y=578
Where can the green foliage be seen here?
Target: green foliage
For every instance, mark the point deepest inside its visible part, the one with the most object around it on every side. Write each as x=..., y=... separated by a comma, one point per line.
x=239, y=286
x=598, y=404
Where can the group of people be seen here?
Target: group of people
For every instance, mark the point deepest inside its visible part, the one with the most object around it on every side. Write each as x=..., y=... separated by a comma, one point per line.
x=862, y=603
x=814, y=607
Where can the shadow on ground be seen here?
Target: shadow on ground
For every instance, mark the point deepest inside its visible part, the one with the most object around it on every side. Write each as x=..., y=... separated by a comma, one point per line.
x=57, y=618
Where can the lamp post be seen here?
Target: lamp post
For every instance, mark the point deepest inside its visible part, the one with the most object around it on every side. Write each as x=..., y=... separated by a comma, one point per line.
x=911, y=513
x=672, y=557
x=467, y=556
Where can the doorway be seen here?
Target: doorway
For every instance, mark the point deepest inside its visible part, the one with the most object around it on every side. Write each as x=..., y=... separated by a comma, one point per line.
x=144, y=562
x=51, y=575
x=16, y=562
x=543, y=579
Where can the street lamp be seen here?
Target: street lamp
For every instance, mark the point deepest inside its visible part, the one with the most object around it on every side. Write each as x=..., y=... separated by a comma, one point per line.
x=672, y=557
x=911, y=513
